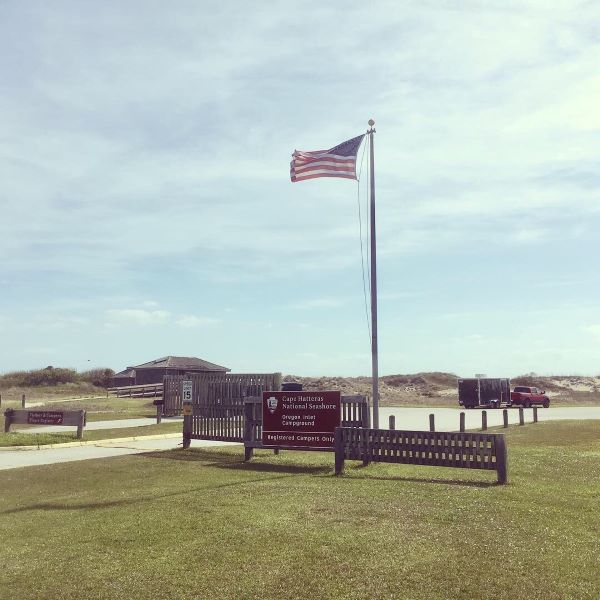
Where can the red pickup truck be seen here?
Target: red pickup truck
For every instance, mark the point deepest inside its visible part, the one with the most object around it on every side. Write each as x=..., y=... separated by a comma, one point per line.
x=529, y=396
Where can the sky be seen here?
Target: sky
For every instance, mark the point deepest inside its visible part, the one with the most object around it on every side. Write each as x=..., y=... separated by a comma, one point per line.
x=147, y=209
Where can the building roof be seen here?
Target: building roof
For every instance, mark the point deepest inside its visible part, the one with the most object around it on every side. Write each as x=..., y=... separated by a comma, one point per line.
x=181, y=362
x=128, y=372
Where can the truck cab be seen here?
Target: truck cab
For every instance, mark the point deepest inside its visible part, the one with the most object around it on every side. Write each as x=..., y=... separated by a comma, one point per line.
x=526, y=396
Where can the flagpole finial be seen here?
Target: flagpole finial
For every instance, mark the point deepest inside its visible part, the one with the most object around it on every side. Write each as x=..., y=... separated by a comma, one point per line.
x=371, y=122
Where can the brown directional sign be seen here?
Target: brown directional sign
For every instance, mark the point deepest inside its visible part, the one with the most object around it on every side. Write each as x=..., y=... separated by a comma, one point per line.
x=44, y=417
x=300, y=419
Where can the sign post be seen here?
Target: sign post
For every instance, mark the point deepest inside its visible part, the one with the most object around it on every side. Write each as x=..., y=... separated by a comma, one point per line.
x=300, y=420
x=45, y=417
x=187, y=389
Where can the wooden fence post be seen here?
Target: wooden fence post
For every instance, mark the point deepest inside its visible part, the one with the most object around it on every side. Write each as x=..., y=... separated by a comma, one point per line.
x=366, y=419
x=187, y=424
x=432, y=422
x=366, y=414
x=81, y=424
x=505, y=418
x=483, y=420
x=392, y=422
x=248, y=418
x=0, y=400
x=521, y=416
x=339, y=451
x=7, y=420
x=501, y=459
x=462, y=422
x=159, y=408
x=23, y=401
x=535, y=415
x=278, y=379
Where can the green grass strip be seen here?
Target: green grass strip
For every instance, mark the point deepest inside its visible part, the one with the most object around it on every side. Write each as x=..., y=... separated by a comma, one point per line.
x=201, y=523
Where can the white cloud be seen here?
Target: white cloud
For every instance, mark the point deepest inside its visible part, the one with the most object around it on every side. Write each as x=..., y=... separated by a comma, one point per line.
x=137, y=316
x=190, y=321
x=593, y=329
x=530, y=235
x=317, y=303
x=150, y=304
x=50, y=322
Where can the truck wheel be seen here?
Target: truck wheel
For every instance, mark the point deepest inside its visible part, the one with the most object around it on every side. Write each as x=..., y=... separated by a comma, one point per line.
x=527, y=404
x=546, y=403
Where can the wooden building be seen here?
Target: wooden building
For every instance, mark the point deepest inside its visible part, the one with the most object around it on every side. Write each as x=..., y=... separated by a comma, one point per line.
x=155, y=370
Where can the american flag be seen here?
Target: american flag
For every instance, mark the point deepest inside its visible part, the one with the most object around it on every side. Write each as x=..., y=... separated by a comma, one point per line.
x=339, y=161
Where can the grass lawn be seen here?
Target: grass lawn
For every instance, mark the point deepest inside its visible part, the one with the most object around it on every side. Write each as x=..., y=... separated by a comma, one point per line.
x=98, y=408
x=40, y=393
x=42, y=439
x=200, y=523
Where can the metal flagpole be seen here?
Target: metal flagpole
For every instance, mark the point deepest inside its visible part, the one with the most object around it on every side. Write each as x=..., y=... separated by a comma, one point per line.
x=374, y=353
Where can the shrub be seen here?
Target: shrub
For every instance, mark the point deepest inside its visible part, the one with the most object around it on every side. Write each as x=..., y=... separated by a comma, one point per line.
x=47, y=376
x=98, y=377
x=53, y=376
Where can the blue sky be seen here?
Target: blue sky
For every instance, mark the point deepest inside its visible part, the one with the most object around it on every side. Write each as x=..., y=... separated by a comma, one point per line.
x=147, y=208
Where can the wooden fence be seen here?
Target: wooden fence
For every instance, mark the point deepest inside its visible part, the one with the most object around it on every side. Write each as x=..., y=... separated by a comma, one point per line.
x=150, y=390
x=217, y=403
x=172, y=402
x=440, y=449
x=355, y=413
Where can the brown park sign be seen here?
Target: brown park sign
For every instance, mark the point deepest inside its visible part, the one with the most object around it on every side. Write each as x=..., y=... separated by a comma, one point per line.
x=300, y=419
x=44, y=417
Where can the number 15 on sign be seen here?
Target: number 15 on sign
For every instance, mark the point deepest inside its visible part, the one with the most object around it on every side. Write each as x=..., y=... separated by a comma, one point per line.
x=187, y=390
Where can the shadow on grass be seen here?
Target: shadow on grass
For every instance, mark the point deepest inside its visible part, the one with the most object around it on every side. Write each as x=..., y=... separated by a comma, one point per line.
x=234, y=462
x=426, y=480
x=207, y=455
x=56, y=506
x=223, y=459
x=220, y=459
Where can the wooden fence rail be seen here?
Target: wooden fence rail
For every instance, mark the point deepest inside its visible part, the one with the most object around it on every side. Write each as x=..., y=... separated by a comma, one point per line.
x=150, y=390
x=440, y=449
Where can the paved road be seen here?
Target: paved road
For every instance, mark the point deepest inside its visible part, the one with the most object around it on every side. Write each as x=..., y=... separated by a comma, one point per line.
x=13, y=459
x=447, y=419
x=406, y=418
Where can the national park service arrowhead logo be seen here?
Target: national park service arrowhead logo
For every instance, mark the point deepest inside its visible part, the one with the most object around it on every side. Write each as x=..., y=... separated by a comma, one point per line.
x=272, y=404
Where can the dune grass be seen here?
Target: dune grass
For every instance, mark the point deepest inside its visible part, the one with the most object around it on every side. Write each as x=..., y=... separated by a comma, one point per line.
x=200, y=523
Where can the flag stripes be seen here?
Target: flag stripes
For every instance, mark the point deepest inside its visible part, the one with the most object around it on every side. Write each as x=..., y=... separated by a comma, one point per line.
x=339, y=161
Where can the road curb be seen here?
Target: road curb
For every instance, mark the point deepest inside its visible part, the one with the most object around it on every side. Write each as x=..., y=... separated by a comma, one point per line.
x=136, y=438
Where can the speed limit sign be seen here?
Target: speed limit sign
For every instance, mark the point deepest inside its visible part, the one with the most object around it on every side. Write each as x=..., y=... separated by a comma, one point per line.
x=187, y=390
